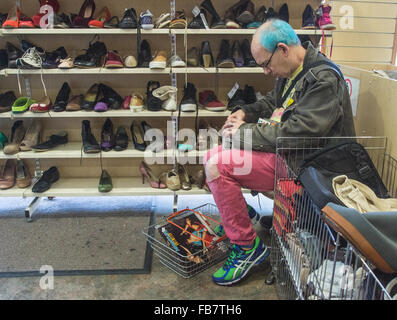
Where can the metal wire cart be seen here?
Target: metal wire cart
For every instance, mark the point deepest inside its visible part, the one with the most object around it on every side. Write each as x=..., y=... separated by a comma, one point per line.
x=309, y=259
x=183, y=262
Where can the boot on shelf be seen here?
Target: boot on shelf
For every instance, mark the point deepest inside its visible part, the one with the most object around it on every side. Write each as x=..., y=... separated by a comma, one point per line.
x=217, y=22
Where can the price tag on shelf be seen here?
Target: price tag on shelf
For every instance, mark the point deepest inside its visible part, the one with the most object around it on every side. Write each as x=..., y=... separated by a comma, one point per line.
x=233, y=91
x=196, y=11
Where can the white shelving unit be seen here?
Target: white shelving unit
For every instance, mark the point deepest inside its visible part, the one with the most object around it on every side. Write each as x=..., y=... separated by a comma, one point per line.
x=123, y=186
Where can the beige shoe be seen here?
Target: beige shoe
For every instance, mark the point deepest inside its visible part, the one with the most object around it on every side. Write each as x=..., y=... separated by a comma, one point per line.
x=32, y=136
x=183, y=177
x=163, y=92
x=172, y=180
x=75, y=103
x=130, y=62
x=66, y=63
x=16, y=137
x=23, y=177
x=136, y=103
x=160, y=61
x=163, y=21
x=7, y=178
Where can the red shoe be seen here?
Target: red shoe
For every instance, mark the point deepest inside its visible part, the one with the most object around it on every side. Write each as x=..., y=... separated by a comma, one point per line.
x=113, y=60
x=210, y=102
x=37, y=17
x=103, y=16
x=126, y=103
x=26, y=22
x=43, y=105
x=85, y=15
x=12, y=21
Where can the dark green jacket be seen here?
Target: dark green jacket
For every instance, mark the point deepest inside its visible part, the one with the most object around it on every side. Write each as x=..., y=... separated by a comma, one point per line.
x=321, y=108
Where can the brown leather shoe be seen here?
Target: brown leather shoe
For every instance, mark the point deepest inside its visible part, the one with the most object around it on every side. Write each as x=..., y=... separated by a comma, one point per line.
x=23, y=178
x=75, y=103
x=7, y=179
x=17, y=134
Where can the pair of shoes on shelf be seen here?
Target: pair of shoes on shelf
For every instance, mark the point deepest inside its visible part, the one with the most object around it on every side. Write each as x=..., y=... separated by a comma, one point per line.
x=111, y=141
x=134, y=102
x=14, y=172
x=167, y=94
x=178, y=178
x=138, y=132
x=175, y=179
x=16, y=19
x=100, y=98
x=16, y=136
x=242, y=97
x=209, y=101
x=93, y=56
x=57, y=139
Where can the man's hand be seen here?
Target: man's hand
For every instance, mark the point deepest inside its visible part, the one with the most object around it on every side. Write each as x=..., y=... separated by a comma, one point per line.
x=238, y=115
x=231, y=127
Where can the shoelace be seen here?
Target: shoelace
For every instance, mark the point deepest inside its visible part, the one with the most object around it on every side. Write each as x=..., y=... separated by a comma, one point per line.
x=230, y=262
x=33, y=55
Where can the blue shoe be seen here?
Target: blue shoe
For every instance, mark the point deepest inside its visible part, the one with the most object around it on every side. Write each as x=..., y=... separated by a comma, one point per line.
x=240, y=261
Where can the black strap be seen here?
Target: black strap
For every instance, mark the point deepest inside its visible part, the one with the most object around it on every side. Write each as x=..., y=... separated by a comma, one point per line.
x=306, y=70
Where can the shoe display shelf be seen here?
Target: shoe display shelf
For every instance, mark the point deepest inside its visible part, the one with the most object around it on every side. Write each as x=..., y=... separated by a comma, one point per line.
x=79, y=171
x=22, y=32
x=113, y=114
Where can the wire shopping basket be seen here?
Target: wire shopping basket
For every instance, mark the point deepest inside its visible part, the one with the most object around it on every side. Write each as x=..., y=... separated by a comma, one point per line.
x=309, y=259
x=189, y=241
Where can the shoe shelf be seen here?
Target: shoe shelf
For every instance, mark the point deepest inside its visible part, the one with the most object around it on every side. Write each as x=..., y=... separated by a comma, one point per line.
x=73, y=150
x=202, y=70
x=88, y=71
x=11, y=32
x=166, y=71
x=88, y=187
x=113, y=114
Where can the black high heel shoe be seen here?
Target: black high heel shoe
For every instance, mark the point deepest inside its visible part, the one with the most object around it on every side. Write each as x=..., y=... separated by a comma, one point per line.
x=107, y=137
x=138, y=136
x=121, y=140
x=91, y=97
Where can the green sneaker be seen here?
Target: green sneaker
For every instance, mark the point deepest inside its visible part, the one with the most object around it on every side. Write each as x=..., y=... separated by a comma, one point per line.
x=240, y=261
x=3, y=140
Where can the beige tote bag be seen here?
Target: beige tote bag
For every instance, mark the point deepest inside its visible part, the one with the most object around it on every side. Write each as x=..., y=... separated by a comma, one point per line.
x=357, y=195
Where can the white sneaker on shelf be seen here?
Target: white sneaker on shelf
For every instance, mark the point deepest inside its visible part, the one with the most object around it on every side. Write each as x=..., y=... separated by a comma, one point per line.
x=176, y=62
x=170, y=104
x=167, y=94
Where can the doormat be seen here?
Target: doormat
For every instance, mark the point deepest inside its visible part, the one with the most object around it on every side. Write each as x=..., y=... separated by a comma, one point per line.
x=70, y=244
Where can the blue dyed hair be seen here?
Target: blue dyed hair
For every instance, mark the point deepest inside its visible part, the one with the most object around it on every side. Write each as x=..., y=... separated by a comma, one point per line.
x=275, y=32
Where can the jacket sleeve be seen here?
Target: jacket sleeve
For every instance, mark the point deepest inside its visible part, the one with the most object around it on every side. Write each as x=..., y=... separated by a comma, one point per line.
x=259, y=109
x=313, y=115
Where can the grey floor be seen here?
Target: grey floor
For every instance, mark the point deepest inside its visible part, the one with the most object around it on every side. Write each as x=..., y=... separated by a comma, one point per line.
x=161, y=283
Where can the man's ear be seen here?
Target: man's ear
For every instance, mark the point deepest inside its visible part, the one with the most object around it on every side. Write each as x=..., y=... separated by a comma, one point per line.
x=283, y=47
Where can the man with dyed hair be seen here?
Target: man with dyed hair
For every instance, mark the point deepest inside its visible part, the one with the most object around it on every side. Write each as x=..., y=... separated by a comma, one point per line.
x=310, y=99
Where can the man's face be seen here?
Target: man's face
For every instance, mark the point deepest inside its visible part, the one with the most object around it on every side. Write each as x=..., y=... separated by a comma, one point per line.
x=272, y=62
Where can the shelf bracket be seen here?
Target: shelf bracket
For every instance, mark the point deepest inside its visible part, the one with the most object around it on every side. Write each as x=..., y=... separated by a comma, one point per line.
x=31, y=209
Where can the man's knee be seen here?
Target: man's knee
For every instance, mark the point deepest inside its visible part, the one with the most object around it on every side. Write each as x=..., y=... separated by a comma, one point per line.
x=211, y=169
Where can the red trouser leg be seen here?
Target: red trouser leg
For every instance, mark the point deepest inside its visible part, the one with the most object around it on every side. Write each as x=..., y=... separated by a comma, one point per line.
x=238, y=168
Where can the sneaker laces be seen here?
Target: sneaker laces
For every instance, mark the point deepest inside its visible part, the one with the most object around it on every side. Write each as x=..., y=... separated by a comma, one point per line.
x=32, y=54
x=235, y=253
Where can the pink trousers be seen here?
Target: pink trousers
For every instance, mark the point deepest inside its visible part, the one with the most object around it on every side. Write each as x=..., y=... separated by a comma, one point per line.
x=238, y=169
